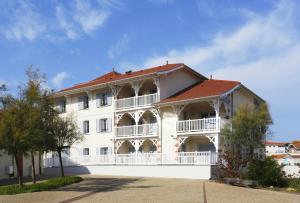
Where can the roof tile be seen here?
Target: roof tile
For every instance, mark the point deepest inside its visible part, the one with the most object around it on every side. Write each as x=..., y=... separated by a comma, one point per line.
x=206, y=88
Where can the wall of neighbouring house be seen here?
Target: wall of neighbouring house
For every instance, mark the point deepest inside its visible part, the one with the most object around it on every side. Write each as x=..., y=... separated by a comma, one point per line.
x=7, y=160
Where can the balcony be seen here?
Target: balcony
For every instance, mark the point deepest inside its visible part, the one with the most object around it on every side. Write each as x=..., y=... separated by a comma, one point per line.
x=205, y=125
x=138, y=101
x=145, y=130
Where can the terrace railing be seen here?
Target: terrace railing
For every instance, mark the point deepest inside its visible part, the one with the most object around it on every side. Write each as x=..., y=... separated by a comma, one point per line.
x=181, y=158
x=137, y=101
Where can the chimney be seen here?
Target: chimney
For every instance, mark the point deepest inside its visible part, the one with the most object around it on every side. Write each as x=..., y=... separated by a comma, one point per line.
x=210, y=77
x=167, y=62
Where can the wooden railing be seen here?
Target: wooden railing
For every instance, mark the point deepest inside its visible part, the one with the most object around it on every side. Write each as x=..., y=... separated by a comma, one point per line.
x=137, y=130
x=181, y=158
x=199, y=125
x=137, y=101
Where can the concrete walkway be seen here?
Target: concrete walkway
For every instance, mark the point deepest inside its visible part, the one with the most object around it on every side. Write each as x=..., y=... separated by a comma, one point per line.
x=125, y=189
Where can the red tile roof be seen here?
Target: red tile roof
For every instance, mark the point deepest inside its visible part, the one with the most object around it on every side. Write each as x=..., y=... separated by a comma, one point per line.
x=279, y=156
x=114, y=76
x=296, y=143
x=206, y=88
x=268, y=142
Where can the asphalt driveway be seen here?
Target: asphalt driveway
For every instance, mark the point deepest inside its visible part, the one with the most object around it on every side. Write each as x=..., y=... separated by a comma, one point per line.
x=129, y=189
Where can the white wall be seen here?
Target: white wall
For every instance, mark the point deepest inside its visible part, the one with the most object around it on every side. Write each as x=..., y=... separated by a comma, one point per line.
x=92, y=140
x=8, y=160
x=165, y=171
x=168, y=130
x=176, y=81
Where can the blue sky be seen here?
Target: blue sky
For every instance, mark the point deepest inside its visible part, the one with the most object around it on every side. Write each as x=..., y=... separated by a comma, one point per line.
x=256, y=42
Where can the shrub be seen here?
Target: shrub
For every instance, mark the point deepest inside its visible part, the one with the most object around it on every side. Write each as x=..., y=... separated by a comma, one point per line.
x=267, y=172
x=42, y=186
x=295, y=184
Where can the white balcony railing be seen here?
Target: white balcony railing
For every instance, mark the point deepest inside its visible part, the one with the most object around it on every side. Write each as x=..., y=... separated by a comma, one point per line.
x=199, y=125
x=137, y=130
x=139, y=101
x=181, y=158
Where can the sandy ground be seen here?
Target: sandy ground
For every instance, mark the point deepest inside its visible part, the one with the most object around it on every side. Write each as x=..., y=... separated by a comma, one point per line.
x=129, y=189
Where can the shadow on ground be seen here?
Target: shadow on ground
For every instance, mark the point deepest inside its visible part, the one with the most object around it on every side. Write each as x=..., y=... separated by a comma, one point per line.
x=91, y=186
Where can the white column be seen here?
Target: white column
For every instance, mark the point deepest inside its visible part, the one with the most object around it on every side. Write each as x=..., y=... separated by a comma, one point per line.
x=136, y=146
x=217, y=142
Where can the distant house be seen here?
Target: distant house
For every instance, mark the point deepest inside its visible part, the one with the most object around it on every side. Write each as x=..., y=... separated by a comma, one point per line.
x=8, y=166
x=287, y=154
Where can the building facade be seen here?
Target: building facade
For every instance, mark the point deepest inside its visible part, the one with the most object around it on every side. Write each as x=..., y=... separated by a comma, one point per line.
x=167, y=115
x=286, y=154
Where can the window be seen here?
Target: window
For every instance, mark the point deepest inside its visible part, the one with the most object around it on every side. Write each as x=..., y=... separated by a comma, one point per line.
x=61, y=106
x=86, y=151
x=104, y=150
x=103, y=99
x=83, y=102
x=66, y=151
x=104, y=125
x=86, y=127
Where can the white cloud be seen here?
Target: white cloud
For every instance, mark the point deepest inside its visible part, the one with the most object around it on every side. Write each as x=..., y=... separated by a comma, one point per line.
x=82, y=17
x=119, y=47
x=24, y=23
x=263, y=54
x=258, y=37
x=59, y=79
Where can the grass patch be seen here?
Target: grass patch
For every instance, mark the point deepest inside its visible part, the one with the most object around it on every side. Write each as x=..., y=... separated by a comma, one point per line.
x=294, y=184
x=42, y=186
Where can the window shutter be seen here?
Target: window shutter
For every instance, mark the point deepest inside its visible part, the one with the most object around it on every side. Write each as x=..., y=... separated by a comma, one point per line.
x=98, y=100
x=81, y=126
x=98, y=151
x=109, y=125
x=80, y=103
x=80, y=151
x=98, y=125
x=109, y=150
x=109, y=98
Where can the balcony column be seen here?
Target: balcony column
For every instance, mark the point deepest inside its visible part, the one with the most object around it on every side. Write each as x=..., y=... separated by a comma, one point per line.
x=156, y=82
x=136, y=87
x=216, y=105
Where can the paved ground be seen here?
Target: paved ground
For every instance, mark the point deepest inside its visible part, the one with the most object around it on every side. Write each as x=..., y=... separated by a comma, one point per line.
x=124, y=189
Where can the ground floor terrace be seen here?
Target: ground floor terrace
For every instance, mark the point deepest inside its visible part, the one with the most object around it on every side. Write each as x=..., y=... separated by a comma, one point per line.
x=129, y=189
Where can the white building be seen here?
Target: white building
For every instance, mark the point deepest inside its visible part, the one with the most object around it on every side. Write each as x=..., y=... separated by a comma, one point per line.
x=287, y=154
x=8, y=166
x=163, y=121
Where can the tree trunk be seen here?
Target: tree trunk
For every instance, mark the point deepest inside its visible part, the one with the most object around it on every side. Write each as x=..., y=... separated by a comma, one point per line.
x=19, y=171
x=40, y=163
x=61, y=164
x=33, y=167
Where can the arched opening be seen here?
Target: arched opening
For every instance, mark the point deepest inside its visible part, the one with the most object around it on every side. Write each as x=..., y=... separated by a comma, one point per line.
x=148, y=147
x=126, y=92
x=197, y=111
x=148, y=87
x=197, y=144
x=126, y=148
x=126, y=120
x=147, y=118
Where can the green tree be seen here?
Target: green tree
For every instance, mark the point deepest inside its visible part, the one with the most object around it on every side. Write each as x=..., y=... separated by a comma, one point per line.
x=32, y=94
x=245, y=137
x=12, y=136
x=64, y=133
